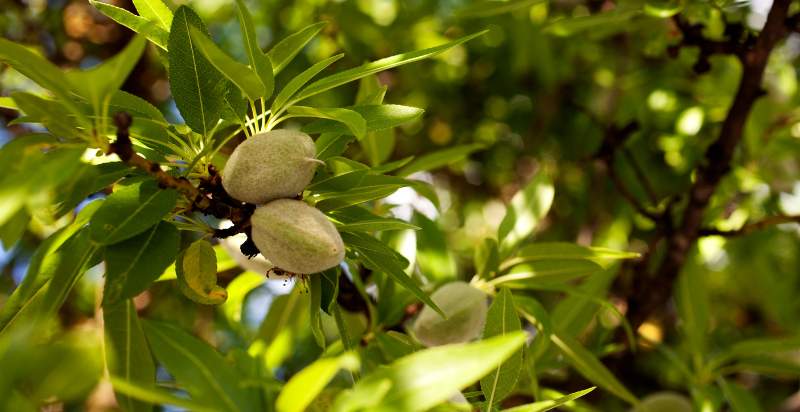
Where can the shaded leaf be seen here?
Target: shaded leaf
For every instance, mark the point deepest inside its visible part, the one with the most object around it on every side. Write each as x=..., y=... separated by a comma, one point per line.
x=258, y=62
x=127, y=353
x=239, y=74
x=438, y=159
x=131, y=210
x=133, y=264
x=199, y=368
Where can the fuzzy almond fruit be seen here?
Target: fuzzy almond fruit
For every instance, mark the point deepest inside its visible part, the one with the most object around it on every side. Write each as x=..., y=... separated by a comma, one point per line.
x=296, y=237
x=665, y=401
x=465, y=308
x=270, y=165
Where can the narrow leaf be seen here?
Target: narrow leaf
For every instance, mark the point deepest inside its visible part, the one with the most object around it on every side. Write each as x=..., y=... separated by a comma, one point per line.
x=241, y=75
x=156, y=396
x=488, y=8
x=131, y=210
x=198, y=88
x=352, y=119
x=299, y=81
x=502, y=320
x=303, y=387
x=132, y=265
x=367, y=69
x=528, y=207
x=260, y=64
x=544, y=406
x=419, y=381
x=127, y=353
x=286, y=49
x=155, y=10
x=591, y=368
x=438, y=159
x=151, y=30
x=199, y=368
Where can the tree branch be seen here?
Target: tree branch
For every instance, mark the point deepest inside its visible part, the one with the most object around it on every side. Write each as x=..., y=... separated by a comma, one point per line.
x=751, y=227
x=652, y=292
x=210, y=198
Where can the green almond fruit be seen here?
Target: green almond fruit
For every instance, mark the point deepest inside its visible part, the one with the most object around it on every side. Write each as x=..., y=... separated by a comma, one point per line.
x=664, y=402
x=465, y=308
x=296, y=237
x=196, y=269
x=270, y=165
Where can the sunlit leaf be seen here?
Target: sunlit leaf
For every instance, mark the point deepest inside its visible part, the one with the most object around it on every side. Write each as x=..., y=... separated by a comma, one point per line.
x=502, y=320
x=258, y=62
x=352, y=119
x=150, y=29
x=528, y=207
x=303, y=387
x=239, y=74
x=424, y=379
x=544, y=406
x=438, y=159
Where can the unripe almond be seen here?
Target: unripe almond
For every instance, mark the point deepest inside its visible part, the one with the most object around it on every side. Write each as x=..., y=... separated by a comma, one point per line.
x=296, y=237
x=665, y=401
x=465, y=308
x=269, y=166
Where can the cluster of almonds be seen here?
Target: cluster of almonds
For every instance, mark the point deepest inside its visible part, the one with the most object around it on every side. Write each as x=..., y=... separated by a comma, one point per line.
x=269, y=170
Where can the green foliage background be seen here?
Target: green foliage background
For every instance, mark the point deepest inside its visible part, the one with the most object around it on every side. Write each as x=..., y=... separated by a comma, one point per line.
x=508, y=177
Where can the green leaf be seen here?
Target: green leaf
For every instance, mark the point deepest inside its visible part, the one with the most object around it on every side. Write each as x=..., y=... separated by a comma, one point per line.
x=493, y=7
x=76, y=256
x=331, y=145
x=197, y=87
x=367, y=69
x=239, y=74
x=338, y=200
x=42, y=72
x=352, y=119
x=131, y=210
x=424, y=379
x=540, y=274
x=609, y=21
x=377, y=256
x=315, y=310
x=740, y=399
x=502, y=320
x=156, y=11
x=376, y=225
x=434, y=257
x=156, y=396
x=540, y=251
x=528, y=207
x=590, y=367
x=286, y=49
x=99, y=83
x=487, y=258
x=196, y=269
x=378, y=145
x=299, y=81
x=150, y=29
x=127, y=353
x=438, y=159
x=133, y=264
x=237, y=291
x=535, y=313
x=42, y=266
x=693, y=307
x=199, y=368
x=544, y=406
x=303, y=387
x=378, y=117
x=50, y=113
x=260, y=64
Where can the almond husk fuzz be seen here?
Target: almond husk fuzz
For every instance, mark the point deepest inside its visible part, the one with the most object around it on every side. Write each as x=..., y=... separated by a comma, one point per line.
x=296, y=237
x=270, y=165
